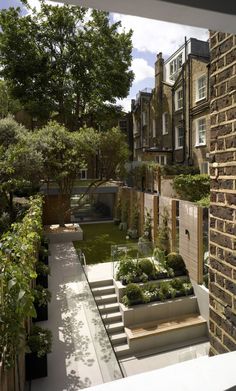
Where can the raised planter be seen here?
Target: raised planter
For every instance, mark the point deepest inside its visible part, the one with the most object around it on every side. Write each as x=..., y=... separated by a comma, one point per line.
x=35, y=366
x=120, y=288
x=158, y=310
x=69, y=233
x=42, y=313
x=42, y=280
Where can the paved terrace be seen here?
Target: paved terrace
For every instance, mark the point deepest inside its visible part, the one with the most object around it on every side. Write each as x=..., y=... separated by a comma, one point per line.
x=81, y=354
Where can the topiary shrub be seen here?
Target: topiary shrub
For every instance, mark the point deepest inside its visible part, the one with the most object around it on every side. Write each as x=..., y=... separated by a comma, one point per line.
x=134, y=294
x=175, y=262
x=146, y=266
x=192, y=187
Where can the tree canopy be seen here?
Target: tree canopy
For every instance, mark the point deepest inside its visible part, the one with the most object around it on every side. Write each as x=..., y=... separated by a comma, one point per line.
x=65, y=63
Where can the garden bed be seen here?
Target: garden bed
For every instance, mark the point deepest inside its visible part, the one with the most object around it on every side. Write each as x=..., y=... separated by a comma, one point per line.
x=158, y=310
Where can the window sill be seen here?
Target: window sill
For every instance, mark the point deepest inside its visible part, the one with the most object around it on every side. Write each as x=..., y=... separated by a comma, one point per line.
x=178, y=109
x=178, y=148
x=164, y=134
x=200, y=99
x=200, y=145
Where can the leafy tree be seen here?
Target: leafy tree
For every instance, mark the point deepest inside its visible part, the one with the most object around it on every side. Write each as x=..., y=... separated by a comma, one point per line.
x=65, y=65
x=20, y=163
x=8, y=105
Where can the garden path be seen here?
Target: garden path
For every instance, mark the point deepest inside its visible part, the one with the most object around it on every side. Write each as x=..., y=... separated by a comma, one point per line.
x=81, y=353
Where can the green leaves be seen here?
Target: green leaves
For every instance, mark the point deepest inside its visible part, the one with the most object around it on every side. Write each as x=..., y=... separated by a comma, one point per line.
x=62, y=64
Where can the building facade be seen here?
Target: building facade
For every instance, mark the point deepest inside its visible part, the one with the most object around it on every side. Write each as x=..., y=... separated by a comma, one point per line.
x=172, y=122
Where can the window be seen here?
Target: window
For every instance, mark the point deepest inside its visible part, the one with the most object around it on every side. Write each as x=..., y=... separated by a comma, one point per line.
x=165, y=123
x=179, y=99
x=144, y=117
x=153, y=128
x=161, y=159
x=201, y=88
x=201, y=131
x=83, y=173
x=176, y=64
x=179, y=137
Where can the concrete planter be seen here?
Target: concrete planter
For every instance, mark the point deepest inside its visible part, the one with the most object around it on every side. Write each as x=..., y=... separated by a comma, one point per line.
x=120, y=288
x=158, y=310
x=66, y=235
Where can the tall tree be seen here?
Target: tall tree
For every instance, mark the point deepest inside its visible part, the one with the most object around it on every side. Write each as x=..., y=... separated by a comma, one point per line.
x=65, y=63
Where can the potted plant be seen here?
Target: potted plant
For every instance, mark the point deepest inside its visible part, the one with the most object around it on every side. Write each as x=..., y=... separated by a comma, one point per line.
x=39, y=343
x=42, y=297
x=42, y=271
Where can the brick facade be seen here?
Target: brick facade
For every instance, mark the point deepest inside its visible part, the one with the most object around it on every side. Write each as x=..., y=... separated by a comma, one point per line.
x=222, y=270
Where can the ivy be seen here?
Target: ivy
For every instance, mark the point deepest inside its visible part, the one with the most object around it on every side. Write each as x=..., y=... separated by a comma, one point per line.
x=18, y=254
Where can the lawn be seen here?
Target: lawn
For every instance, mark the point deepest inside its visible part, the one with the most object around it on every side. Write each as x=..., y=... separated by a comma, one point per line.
x=98, y=239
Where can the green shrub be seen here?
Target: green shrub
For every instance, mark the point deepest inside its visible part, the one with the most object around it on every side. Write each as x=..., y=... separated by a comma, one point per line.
x=175, y=262
x=126, y=266
x=177, y=284
x=42, y=296
x=134, y=294
x=177, y=170
x=40, y=341
x=192, y=187
x=42, y=269
x=146, y=266
x=204, y=202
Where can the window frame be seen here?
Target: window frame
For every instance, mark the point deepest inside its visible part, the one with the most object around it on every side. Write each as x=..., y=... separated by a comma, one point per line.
x=177, y=146
x=198, y=98
x=165, y=123
x=85, y=171
x=180, y=89
x=200, y=144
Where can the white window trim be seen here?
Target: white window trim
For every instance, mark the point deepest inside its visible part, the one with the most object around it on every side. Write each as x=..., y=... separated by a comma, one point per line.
x=164, y=128
x=176, y=138
x=197, y=99
x=158, y=159
x=197, y=132
x=85, y=170
x=176, y=100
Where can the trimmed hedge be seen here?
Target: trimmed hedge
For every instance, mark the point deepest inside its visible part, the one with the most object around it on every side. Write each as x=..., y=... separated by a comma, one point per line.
x=192, y=187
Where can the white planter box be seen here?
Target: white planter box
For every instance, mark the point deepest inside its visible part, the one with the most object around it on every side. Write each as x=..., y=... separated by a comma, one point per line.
x=158, y=310
x=66, y=236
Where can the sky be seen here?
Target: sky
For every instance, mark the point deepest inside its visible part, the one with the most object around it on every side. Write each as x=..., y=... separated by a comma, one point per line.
x=149, y=38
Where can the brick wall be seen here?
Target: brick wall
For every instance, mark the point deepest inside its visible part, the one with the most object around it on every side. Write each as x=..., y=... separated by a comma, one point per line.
x=222, y=272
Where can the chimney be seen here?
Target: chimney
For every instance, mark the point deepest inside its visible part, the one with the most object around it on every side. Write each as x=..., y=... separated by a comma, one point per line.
x=159, y=64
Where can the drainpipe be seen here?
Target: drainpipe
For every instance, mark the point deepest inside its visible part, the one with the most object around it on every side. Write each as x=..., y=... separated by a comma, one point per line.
x=173, y=126
x=189, y=107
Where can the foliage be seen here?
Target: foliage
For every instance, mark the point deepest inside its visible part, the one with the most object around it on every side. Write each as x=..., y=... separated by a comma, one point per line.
x=42, y=269
x=179, y=169
x=124, y=211
x=18, y=254
x=146, y=266
x=204, y=201
x=133, y=294
x=192, y=187
x=75, y=64
x=42, y=296
x=152, y=292
x=126, y=266
x=206, y=280
x=163, y=234
x=176, y=263
x=134, y=217
x=147, y=226
x=8, y=105
x=39, y=341
x=20, y=162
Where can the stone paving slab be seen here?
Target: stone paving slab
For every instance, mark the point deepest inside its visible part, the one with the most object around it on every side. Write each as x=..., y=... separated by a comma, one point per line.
x=81, y=354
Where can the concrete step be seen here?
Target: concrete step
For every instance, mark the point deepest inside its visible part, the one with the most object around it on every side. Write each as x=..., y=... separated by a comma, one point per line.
x=115, y=327
x=104, y=290
x=106, y=299
x=118, y=339
x=122, y=350
x=108, y=308
x=112, y=317
x=102, y=283
x=164, y=333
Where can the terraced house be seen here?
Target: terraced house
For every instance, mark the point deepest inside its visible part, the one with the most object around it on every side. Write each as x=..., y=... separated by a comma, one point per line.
x=171, y=122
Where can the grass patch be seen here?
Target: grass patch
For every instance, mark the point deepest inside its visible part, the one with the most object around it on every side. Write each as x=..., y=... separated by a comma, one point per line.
x=98, y=239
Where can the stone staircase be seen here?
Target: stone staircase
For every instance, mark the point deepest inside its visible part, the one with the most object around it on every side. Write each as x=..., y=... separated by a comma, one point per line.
x=168, y=334
x=106, y=299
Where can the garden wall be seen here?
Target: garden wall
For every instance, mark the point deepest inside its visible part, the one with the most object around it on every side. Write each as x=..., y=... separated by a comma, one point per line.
x=190, y=238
